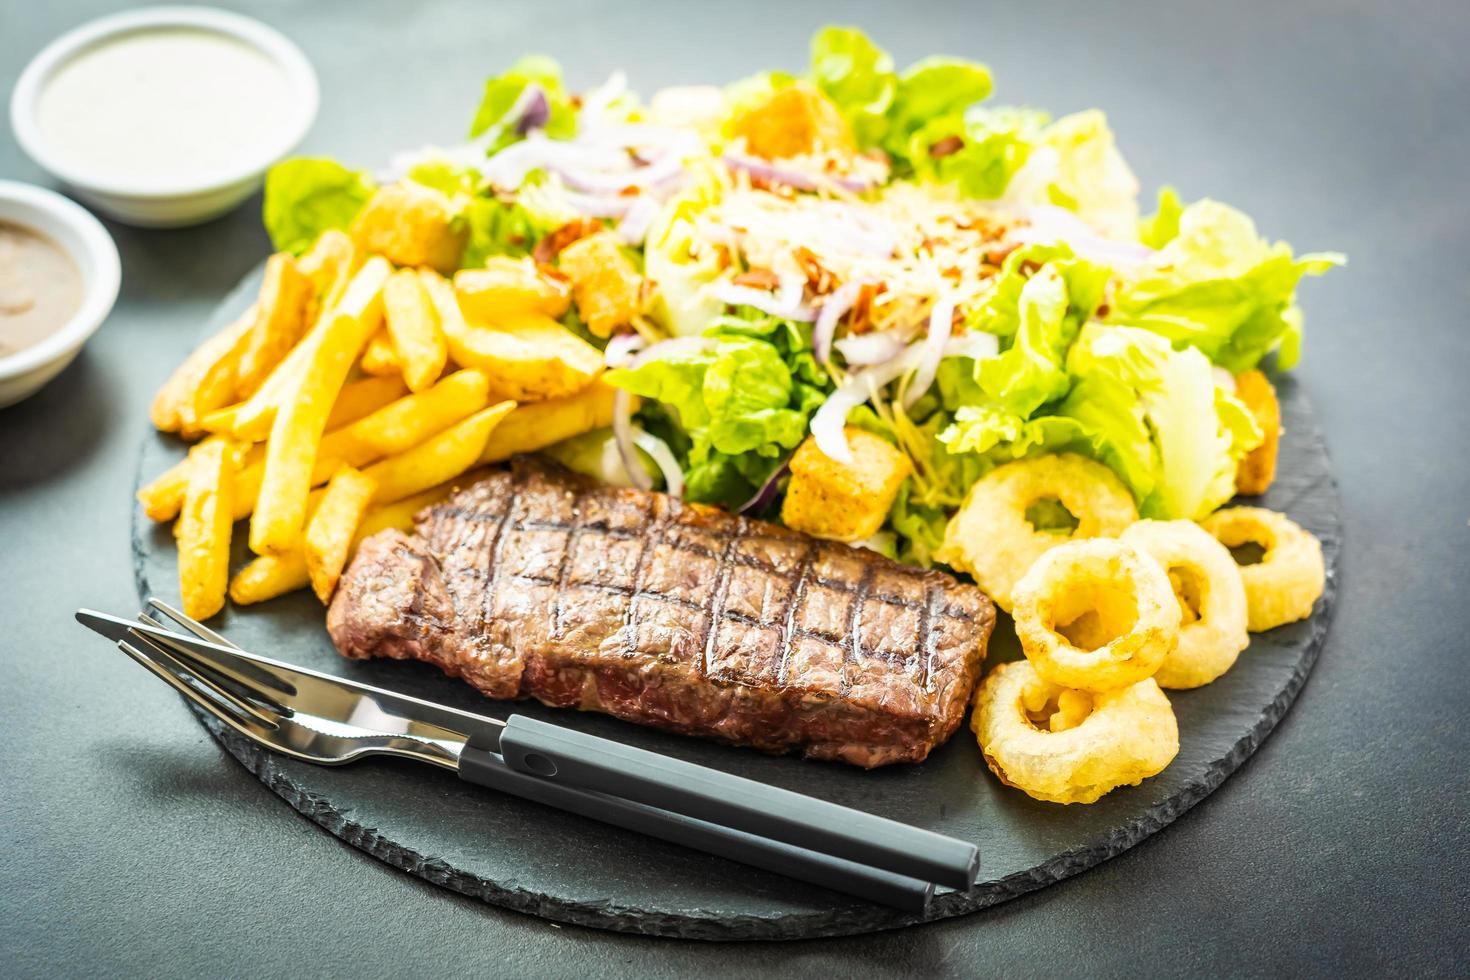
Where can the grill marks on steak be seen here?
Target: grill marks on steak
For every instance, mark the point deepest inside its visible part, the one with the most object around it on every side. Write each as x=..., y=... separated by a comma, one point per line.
x=539, y=583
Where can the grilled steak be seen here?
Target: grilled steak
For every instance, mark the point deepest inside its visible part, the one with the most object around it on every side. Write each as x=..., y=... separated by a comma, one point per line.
x=536, y=582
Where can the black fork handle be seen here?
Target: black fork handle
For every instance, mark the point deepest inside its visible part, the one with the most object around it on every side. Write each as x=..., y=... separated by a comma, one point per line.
x=488, y=769
x=562, y=755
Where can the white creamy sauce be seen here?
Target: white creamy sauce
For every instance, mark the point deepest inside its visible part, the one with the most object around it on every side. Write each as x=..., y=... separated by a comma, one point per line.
x=164, y=106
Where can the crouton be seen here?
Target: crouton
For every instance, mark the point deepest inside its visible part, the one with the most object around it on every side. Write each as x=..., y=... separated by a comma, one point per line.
x=794, y=121
x=608, y=290
x=844, y=502
x=1258, y=468
x=409, y=224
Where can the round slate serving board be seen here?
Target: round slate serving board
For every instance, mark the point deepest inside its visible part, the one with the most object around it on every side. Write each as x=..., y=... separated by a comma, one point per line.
x=534, y=859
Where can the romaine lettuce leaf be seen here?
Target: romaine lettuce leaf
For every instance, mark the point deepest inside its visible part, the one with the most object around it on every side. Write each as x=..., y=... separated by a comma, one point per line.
x=933, y=88
x=682, y=303
x=740, y=404
x=306, y=196
x=858, y=77
x=1051, y=306
x=1133, y=384
x=1217, y=286
x=1092, y=178
x=1161, y=227
x=977, y=150
x=503, y=92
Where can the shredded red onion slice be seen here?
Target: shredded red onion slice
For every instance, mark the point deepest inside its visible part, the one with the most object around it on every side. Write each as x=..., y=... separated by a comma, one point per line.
x=531, y=110
x=829, y=420
x=931, y=349
x=663, y=457
x=622, y=424
x=621, y=348
x=1053, y=224
x=976, y=344
x=777, y=304
x=672, y=347
x=834, y=308
x=861, y=350
x=594, y=206
x=795, y=177
x=763, y=496
x=633, y=229
x=597, y=100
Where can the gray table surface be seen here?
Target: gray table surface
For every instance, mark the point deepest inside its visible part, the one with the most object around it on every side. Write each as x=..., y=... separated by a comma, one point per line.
x=131, y=845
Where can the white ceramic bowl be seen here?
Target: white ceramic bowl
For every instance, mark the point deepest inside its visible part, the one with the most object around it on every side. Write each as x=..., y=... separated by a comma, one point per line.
x=206, y=196
x=90, y=247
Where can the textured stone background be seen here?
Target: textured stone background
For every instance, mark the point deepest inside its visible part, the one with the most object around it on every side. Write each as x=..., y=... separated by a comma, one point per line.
x=131, y=844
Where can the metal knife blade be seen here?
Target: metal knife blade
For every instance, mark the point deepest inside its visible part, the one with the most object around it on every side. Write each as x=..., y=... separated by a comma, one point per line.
x=334, y=698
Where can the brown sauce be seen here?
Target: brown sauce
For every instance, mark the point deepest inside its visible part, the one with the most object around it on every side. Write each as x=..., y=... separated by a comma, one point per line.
x=40, y=288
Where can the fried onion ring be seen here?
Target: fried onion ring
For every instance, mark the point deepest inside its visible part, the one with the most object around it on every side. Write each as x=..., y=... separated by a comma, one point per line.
x=1211, y=598
x=1285, y=584
x=1125, y=737
x=1096, y=615
x=991, y=538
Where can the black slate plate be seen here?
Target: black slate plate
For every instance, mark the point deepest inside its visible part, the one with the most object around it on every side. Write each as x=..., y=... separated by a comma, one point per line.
x=530, y=858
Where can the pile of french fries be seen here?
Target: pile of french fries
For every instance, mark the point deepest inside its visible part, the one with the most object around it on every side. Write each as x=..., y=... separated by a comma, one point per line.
x=358, y=389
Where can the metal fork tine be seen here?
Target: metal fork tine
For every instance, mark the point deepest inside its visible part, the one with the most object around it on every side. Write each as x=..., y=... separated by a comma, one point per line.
x=192, y=625
x=257, y=682
x=258, y=707
x=227, y=711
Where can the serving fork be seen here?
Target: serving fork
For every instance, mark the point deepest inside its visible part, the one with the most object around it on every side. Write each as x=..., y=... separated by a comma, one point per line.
x=328, y=720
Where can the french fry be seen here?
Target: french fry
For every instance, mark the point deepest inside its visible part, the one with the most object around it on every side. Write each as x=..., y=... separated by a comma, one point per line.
x=329, y=262
x=536, y=425
x=392, y=429
x=330, y=530
x=285, y=299
x=162, y=496
x=252, y=419
x=269, y=576
x=203, y=529
x=414, y=327
x=380, y=358
x=280, y=509
x=204, y=382
x=436, y=460
x=528, y=357
x=362, y=398
x=509, y=286
x=405, y=423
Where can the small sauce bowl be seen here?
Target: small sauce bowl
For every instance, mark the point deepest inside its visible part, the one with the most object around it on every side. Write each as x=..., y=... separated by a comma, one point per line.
x=178, y=198
x=88, y=244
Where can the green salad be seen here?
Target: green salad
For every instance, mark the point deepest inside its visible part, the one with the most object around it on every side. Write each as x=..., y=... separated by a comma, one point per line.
x=857, y=246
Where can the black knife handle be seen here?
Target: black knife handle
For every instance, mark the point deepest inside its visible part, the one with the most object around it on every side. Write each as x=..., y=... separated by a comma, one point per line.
x=909, y=894
x=562, y=755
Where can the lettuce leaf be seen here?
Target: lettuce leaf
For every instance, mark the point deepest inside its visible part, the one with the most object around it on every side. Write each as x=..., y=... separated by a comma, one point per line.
x=1134, y=384
x=682, y=303
x=1219, y=287
x=933, y=88
x=740, y=402
x=1092, y=178
x=1152, y=414
x=858, y=77
x=306, y=196
x=977, y=150
x=1051, y=307
x=502, y=92
x=1162, y=227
